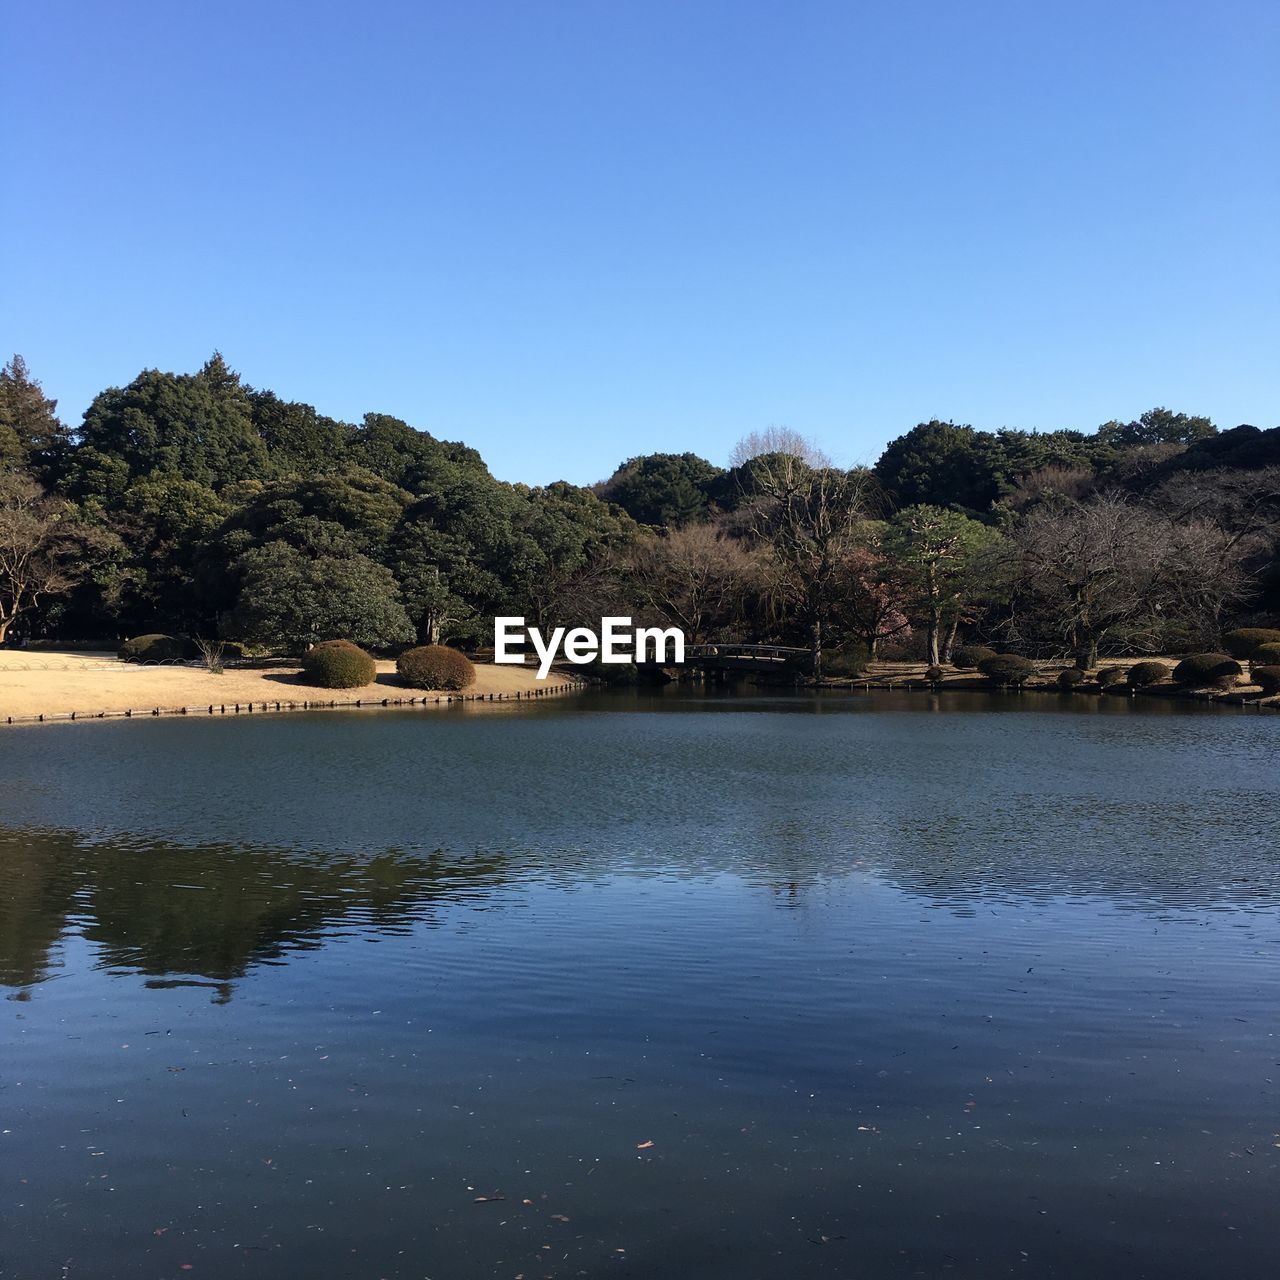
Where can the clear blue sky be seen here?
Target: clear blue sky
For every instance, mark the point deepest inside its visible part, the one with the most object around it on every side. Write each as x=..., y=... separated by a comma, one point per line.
x=570, y=232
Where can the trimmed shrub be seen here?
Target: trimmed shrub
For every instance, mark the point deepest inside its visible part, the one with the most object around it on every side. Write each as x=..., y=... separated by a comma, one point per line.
x=1005, y=669
x=1243, y=642
x=934, y=675
x=1070, y=678
x=1143, y=674
x=1202, y=670
x=155, y=648
x=338, y=664
x=1109, y=676
x=969, y=657
x=1267, y=679
x=1267, y=655
x=435, y=666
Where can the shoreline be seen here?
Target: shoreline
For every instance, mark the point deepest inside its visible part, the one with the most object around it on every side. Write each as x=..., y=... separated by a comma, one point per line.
x=58, y=687
x=63, y=687
x=910, y=676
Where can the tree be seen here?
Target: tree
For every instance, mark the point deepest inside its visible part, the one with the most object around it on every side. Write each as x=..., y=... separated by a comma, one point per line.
x=871, y=597
x=413, y=460
x=669, y=489
x=300, y=441
x=1157, y=426
x=31, y=436
x=564, y=534
x=1092, y=571
x=199, y=426
x=808, y=514
x=940, y=464
x=161, y=523
x=696, y=578
x=291, y=600
x=41, y=548
x=937, y=553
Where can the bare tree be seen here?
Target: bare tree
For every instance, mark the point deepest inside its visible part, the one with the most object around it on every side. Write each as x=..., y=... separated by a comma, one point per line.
x=1083, y=567
x=809, y=515
x=777, y=441
x=212, y=654
x=41, y=548
x=1109, y=569
x=696, y=578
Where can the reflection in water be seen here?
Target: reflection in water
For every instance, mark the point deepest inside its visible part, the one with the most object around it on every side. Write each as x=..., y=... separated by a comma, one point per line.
x=207, y=912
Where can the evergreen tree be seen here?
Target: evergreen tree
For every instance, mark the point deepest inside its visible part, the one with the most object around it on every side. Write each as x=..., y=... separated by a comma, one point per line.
x=31, y=436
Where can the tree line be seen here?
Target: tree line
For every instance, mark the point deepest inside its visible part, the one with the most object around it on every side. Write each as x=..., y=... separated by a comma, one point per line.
x=194, y=504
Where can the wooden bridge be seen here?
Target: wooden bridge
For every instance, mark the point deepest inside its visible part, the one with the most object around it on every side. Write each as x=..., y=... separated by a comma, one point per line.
x=744, y=657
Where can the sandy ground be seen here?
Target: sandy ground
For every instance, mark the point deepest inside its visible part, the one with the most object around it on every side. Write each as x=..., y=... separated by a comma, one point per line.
x=56, y=684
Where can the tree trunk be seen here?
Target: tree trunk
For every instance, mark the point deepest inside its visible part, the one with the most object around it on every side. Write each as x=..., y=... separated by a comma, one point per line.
x=951, y=639
x=934, y=628
x=817, y=649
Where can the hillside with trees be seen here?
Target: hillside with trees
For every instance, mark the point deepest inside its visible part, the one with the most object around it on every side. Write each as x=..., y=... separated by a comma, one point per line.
x=194, y=504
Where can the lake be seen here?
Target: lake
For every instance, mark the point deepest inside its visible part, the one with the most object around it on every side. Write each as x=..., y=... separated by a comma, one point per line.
x=670, y=986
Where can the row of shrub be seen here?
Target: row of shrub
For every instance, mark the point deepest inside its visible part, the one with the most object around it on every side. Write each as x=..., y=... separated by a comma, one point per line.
x=1199, y=671
x=1257, y=644
x=340, y=664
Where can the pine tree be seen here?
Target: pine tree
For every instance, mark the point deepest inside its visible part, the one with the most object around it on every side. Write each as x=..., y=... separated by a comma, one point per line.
x=31, y=436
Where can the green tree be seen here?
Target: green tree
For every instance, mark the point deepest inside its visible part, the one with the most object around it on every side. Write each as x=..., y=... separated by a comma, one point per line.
x=937, y=553
x=356, y=512
x=195, y=425
x=1157, y=426
x=412, y=460
x=31, y=436
x=300, y=441
x=668, y=489
x=161, y=524
x=940, y=464
x=564, y=533
x=289, y=600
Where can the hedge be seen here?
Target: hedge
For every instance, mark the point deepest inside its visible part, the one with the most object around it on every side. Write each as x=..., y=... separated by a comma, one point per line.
x=1243, y=642
x=1201, y=670
x=435, y=666
x=967, y=657
x=1143, y=674
x=1070, y=678
x=155, y=648
x=1267, y=679
x=1267, y=655
x=934, y=675
x=338, y=664
x=1006, y=669
x=1109, y=676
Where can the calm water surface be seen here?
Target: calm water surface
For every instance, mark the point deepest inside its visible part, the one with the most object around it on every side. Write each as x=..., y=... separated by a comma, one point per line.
x=850, y=987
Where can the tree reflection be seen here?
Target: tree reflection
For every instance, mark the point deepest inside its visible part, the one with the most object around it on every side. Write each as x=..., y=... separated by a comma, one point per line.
x=208, y=915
